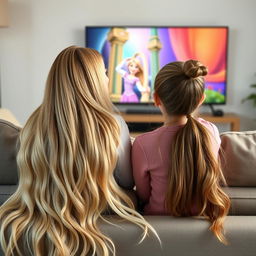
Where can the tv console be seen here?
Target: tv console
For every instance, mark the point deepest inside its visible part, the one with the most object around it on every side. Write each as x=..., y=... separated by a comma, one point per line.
x=143, y=111
x=227, y=118
x=156, y=111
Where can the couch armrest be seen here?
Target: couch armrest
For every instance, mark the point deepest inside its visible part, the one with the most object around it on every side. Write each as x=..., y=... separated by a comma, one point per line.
x=6, y=191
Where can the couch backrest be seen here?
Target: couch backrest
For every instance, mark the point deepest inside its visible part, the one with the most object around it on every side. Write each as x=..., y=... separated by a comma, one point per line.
x=8, y=150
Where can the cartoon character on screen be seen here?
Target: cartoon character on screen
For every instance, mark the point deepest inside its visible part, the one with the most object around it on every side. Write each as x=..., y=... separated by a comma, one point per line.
x=134, y=73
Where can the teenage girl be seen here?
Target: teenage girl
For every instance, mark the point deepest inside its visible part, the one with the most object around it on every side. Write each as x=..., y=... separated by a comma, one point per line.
x=176, y=166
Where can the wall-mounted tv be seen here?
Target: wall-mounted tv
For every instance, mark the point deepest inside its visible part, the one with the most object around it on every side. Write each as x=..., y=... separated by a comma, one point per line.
x=152, y=47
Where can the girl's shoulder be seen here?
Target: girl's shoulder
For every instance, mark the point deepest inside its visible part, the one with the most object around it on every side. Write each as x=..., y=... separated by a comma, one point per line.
x=210, y=126
x=152, y=136
x=204, y=122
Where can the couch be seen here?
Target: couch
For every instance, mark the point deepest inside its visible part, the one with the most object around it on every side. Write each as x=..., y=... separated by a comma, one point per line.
x=179, y=236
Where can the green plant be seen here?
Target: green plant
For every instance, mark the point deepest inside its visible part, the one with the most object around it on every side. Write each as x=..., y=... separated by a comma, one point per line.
x=252, y=96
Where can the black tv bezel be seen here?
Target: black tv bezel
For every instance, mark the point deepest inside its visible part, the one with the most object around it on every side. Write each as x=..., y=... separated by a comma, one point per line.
x=169, y=26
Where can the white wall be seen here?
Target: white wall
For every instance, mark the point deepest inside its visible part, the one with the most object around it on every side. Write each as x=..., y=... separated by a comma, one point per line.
x=40, y=29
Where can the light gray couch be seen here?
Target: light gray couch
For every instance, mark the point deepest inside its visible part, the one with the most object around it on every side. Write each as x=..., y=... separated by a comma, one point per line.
x=179, y=236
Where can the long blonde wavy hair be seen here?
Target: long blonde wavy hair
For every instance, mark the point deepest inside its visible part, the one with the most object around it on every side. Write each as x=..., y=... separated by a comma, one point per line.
x=68, y=151
x=194, y=174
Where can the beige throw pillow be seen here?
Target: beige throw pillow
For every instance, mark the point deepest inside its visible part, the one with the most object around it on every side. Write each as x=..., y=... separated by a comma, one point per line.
x=239, y=161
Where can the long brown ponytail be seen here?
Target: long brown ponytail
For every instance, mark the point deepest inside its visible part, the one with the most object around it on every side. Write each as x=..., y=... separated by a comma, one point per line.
x=195, y=174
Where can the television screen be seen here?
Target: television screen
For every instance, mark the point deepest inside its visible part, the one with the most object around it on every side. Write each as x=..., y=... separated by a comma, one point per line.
x=134, y=55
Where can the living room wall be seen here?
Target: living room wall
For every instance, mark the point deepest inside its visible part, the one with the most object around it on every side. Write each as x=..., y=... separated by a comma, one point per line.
x=40, y=29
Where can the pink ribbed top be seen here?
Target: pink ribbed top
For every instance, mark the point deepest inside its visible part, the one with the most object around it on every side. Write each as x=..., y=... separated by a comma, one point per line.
x=150, y=160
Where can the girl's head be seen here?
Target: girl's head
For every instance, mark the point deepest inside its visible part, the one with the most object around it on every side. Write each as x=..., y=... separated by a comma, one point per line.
x=180, y=86
x=67, y=155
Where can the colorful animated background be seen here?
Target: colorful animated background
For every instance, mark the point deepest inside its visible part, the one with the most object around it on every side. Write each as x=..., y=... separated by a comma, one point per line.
x=162, y=45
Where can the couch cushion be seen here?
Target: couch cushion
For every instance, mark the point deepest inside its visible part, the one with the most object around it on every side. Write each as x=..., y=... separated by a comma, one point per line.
x=243, y=200
x=8, y=150
x=239, y=158
x=183, y=236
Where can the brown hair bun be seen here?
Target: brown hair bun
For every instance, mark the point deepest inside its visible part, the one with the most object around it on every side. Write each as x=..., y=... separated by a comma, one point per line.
x=194, y=68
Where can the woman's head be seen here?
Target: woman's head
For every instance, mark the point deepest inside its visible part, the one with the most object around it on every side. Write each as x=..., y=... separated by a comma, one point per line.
x=180, y=86
x=78, y=74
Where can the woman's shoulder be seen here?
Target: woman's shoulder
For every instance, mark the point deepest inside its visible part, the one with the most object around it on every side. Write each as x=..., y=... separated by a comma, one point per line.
x=124, y=131
x=120, y=119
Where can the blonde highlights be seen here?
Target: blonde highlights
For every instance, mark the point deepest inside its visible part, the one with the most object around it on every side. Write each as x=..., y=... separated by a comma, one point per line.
x=195, y=174
x=68, y=151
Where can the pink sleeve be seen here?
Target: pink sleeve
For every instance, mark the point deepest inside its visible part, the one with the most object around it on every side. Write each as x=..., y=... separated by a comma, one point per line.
x=216, y=138
x=216, y=133
x=140, y=171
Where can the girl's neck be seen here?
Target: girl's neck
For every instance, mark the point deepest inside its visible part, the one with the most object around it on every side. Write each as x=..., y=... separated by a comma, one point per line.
x=174, y=120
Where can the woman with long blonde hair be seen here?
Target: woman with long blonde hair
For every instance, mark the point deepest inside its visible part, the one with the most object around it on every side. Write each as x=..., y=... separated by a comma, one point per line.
x=176, y=167
x=71, y=157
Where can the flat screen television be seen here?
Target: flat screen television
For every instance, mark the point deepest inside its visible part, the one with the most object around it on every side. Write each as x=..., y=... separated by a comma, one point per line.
x=153, y=47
